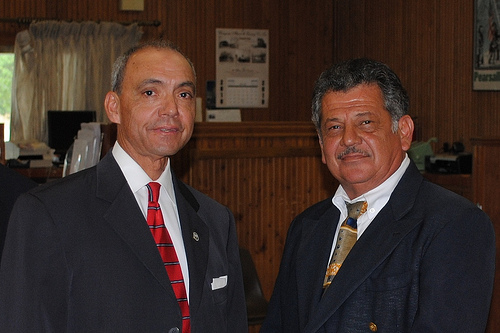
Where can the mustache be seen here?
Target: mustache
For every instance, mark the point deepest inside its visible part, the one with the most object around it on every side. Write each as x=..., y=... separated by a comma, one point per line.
x=351, y=149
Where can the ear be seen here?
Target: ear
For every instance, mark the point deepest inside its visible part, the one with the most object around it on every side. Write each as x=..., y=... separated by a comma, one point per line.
x=112, y=106
x=406, y=128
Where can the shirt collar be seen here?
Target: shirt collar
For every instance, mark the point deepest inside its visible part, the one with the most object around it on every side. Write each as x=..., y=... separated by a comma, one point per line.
x=136, y=177
x=377, y=197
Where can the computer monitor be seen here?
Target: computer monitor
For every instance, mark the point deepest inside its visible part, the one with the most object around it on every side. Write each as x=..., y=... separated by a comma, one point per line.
x=63, y=127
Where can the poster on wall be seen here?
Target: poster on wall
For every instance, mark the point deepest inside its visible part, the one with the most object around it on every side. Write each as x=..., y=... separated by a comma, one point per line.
x=486, y=74
x=242, y=68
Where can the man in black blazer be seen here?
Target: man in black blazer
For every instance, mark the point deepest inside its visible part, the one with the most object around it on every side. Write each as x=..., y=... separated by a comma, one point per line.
x=13, y=185
x=80, y=256
x=424, y=257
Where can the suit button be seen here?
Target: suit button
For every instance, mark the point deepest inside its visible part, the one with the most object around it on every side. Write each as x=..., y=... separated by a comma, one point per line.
x=373, y=327
x=174, y=330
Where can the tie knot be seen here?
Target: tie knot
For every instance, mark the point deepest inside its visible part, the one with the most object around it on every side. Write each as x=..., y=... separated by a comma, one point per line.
x=153, y=191
x=354, y=210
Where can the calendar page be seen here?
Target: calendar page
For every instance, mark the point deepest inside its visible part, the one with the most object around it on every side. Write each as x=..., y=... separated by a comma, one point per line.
x=242, y=64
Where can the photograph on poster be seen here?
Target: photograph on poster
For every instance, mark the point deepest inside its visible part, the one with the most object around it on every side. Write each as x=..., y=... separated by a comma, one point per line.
x=486, y=74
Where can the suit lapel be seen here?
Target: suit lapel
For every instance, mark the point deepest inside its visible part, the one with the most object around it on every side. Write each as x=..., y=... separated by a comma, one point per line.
x=312, y=258
x=195, y=233
x=125, y=217
x=374, y=246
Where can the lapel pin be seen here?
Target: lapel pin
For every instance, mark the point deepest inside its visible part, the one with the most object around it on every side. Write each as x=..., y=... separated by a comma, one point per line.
x=195, y=236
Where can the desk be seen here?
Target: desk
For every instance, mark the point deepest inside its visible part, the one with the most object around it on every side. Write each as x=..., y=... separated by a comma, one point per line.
x=41, y=175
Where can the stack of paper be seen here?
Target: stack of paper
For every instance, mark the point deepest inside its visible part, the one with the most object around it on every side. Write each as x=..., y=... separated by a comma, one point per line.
x=85, y=150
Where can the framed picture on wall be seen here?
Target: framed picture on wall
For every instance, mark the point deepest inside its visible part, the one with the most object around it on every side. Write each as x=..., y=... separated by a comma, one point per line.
x=486, y=68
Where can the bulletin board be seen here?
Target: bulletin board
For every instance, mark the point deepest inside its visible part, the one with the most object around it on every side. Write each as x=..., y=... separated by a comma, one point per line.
x=242, y=66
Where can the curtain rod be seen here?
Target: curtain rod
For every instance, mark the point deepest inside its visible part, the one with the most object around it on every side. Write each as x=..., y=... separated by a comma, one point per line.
x=27, y=21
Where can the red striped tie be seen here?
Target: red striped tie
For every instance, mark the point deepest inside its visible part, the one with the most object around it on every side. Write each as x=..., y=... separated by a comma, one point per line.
x=167, y=252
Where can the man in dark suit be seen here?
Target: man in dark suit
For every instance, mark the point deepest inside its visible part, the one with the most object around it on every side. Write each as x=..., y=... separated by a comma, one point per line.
x=422, y=258
x=13, y=185
x=80, y=256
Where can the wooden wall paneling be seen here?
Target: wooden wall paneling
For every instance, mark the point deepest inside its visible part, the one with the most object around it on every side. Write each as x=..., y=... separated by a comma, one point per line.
x=486, y=190
x=348, y=32
x=485, y=114
x=429, y=43
x=292, y=44
x=444, y=104
x=201, y=51
x=463, y=46
x=280, y=85
x=419, y=36
x=301, y=38
x=264, y=192
x=432, y=53
x=385, y=20
x=80, y=7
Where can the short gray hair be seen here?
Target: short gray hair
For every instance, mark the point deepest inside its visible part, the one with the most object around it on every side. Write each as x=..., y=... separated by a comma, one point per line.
x=351, y=73
x=120, y=64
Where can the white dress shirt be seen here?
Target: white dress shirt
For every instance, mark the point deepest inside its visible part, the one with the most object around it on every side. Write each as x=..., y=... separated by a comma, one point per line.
x=376, y=198
x=137, y=179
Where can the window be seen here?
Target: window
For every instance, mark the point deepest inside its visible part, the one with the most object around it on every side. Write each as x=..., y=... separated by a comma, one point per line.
x=6, y=72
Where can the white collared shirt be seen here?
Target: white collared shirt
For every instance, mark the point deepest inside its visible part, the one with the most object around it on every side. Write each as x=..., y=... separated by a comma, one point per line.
x=376, y=198
x=137, y=179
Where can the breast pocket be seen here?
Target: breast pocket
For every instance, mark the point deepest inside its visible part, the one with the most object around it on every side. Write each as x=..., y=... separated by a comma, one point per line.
x=392, y=301
x=219, y=289
x=388, y=283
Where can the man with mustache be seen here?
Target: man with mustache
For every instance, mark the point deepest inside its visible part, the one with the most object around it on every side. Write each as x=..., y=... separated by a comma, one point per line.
x=126, y=246
x=407, y=255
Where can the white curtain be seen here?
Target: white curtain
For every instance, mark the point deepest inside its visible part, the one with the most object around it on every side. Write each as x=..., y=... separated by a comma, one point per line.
x=63, y=66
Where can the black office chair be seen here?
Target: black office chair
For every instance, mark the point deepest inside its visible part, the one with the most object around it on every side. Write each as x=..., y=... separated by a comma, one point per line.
x=256, y=302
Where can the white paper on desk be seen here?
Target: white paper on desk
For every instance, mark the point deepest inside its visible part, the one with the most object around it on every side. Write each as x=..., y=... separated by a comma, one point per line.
x=219, y=282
